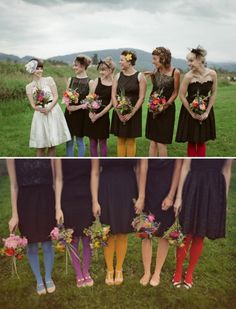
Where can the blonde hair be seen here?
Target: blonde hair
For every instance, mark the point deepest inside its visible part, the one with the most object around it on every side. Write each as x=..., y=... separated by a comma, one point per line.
x=199, y=52
x=108, y=61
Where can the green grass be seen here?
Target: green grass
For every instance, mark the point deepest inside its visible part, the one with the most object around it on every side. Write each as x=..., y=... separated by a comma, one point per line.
x=214, y=280
x=16, y=115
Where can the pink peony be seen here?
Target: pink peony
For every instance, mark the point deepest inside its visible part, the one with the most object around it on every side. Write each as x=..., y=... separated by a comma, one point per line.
x=151, y=218
x=95, y=105
x=174, y=234
x=55, y=233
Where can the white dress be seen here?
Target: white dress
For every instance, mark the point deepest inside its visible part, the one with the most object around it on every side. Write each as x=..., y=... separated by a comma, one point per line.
x=51, y=129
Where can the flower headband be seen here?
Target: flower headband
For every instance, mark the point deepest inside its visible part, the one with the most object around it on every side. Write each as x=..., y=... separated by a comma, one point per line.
x=128, y=57
x=31, y=66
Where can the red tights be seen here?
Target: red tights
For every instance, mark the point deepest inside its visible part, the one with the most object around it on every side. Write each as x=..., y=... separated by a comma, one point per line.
x=196, y=150
x=194, y=254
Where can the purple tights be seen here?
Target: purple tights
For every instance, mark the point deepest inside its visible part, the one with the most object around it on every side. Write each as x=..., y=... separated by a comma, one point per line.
x=94, y=147
x=81, y=271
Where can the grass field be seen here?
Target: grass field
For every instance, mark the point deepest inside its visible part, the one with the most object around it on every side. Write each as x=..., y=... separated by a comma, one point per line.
x=214, y=281
x=16, y=115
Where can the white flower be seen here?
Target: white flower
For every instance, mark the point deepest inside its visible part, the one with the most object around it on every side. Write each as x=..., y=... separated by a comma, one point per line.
x=31, y=66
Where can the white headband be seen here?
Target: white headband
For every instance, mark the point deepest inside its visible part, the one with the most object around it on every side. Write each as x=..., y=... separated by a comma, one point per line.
x=31, y=66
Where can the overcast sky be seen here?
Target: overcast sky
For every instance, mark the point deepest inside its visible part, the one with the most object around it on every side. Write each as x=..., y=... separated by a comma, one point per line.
x=46, y=28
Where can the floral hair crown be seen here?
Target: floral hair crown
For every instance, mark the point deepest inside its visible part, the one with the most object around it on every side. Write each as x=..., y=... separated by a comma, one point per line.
x=128, y=57
x=31, y=66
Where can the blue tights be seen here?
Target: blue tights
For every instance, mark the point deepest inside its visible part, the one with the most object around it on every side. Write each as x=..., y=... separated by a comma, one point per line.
x=48, y=254
x=70, y=147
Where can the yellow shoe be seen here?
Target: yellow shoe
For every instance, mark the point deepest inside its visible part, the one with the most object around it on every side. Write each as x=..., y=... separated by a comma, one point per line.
x=110, y=277
x=119, y=277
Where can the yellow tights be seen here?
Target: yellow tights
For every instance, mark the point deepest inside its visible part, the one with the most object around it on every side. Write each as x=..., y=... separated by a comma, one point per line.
x=126, y=147
x=116, y=244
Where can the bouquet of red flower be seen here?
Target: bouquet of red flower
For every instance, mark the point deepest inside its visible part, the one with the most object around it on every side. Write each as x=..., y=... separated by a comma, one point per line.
x=63, y=238
x=124, y=105
x=92, y=102
x=174, y=235
x=14, y=247
x=41, y=97
x=156, y=103
x=98, y=233
x=199, y=104
x=70, y=97
x=145, y=226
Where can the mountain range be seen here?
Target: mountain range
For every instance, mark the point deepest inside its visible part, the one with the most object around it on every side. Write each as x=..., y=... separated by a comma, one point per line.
x=143, y=62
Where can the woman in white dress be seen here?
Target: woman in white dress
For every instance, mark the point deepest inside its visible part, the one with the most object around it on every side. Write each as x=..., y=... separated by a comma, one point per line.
x=48, y=128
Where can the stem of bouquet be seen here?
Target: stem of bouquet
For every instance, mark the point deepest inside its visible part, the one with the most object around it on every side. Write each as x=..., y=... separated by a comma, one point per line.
x=14, y=267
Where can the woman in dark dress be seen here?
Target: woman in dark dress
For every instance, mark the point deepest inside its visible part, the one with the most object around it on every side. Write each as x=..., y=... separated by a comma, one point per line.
x=98, y=124
x=194, y=128
x=73, y=186
x=161, y=185
x=76, y=114
x=131, y=84
x=33, y=209
x=114, y=190
x=160, y=127
x=201, y=196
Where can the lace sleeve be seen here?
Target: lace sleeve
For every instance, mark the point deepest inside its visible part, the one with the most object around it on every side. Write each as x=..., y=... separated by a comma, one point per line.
x=52, y=85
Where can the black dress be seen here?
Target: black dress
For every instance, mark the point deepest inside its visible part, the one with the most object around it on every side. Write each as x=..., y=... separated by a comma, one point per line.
x=159, y=178
x=100, y=128
x=204, y=199
x=76, y=196
x=76, y=120
x=192, y=130
x=160, y=129
x=129, y=86
x=117, y=189
x=35, y=199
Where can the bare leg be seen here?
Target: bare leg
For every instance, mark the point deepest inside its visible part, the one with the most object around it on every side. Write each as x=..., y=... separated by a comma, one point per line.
x=162, y=150
x=162, y=250
x=153, y=149
x=40, y=152
x=147, y=260
x=51, y=151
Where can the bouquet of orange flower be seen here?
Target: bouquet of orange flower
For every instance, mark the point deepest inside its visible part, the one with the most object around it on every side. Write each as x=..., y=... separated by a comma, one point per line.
x=70, y=97
x=92, y=102
x=63, y=238
x=41, y=97
x=14, y=247
x=145, y=226
x=98, y=233
x=174, y=235
x=156, y=103
x=199, y=104
x=124, y=105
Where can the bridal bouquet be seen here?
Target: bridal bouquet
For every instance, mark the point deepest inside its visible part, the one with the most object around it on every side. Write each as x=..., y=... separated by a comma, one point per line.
x=156, y=103
x=40, y=96
x=145, y=226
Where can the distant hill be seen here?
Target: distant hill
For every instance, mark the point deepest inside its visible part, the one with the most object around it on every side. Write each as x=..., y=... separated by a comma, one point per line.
x=143, y=62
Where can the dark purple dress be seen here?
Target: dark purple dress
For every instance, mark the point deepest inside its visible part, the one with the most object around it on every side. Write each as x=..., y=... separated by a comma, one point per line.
x=204, y=199
x=159, y=178
x=35, y=200
x=117, y=189
x=76, y=196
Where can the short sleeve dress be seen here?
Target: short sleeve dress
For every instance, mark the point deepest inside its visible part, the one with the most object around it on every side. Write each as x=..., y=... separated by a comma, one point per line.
x=100, y=128
x=35, y=199
x=76, y=199
x=51, y=129
x=204, y=199
x=160, y=128
x=76, y=120
x=129, y=86
x=117, y=189
x=192, y=130
x=159, y=178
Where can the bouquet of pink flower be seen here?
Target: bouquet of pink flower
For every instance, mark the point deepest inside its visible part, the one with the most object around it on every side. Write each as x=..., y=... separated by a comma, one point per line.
x=199, y=104
x=63, y=238
x=14, y=247
x=70, y=97
x=145, y=226
x=41, y=97
x=98, y=233
x=92, y=102
x=174, y=235
x=156, y=103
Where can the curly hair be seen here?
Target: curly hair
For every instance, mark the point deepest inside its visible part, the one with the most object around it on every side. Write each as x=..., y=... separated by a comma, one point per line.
x=164, y=54
x=133, y=55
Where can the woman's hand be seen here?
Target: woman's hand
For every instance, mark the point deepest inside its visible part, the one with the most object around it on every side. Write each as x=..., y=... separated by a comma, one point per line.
x=127, y=117
x=138, y=205
x=96, y=209
x=167, y=203
x=59, y=216
x=13, y=223
x=177, y=206
x=204, y=116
